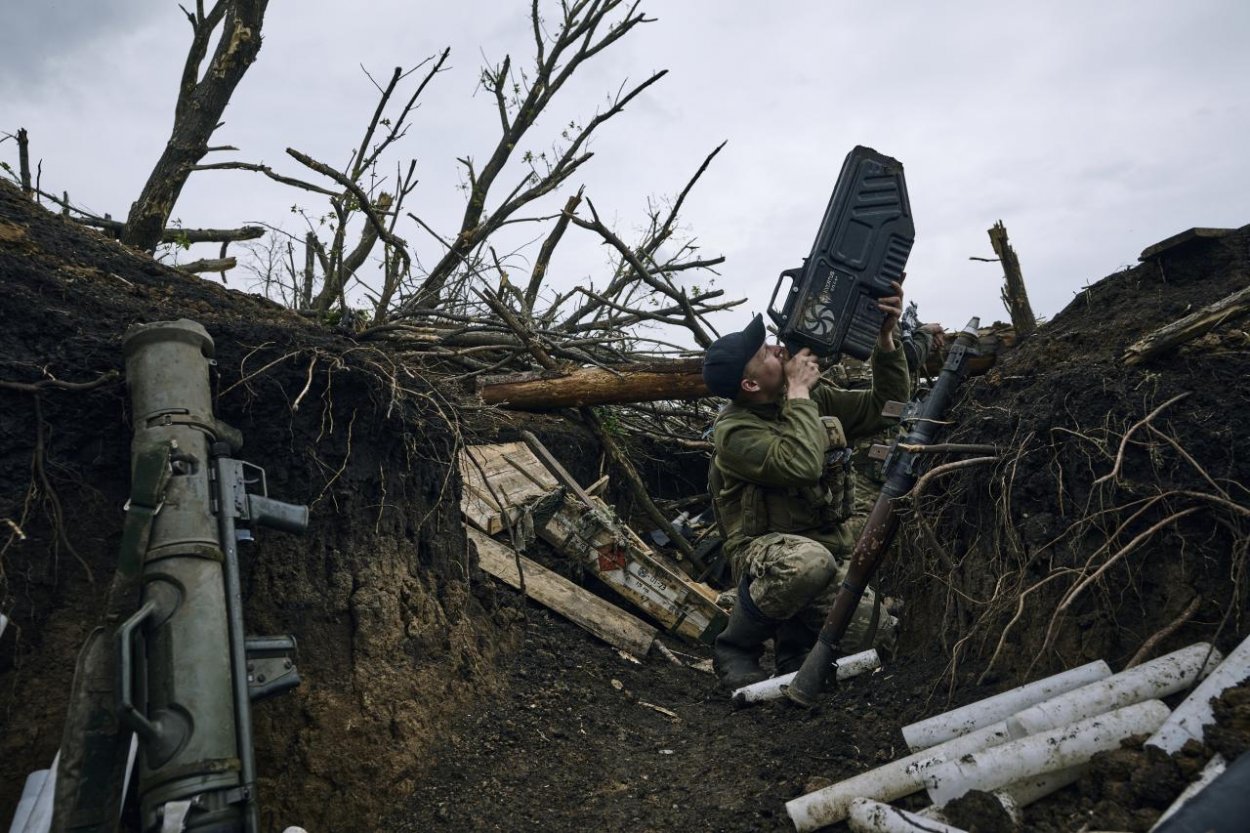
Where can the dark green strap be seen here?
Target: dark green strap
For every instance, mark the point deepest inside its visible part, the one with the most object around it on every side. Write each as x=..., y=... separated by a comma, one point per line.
x=93, y=746
x=147, y=487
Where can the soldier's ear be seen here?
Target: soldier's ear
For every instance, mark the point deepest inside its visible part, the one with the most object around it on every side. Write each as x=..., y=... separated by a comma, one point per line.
x=749, y=385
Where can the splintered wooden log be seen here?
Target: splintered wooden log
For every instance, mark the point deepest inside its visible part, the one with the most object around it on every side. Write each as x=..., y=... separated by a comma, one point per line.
x=1015, y=296
x=1190, y=327
x=642, y=382
x=551, y=590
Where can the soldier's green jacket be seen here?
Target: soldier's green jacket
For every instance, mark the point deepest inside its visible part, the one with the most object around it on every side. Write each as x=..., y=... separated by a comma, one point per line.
x=769, y=458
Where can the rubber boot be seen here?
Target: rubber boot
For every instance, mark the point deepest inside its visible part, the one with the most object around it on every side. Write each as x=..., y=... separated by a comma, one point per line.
x=737, y=650
x=791, y=642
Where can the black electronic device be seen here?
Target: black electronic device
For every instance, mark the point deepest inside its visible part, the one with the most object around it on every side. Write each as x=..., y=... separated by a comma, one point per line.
x=861, y=247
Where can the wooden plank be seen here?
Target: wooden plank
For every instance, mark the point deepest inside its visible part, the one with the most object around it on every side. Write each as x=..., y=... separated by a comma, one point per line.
x=601, y=618
x=493, y=464
x=543, y=454
x=527, y=464
x=481, y=514
x=497, y=480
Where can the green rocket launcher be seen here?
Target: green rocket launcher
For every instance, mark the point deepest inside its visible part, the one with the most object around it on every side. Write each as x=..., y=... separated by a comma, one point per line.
x=183, y=673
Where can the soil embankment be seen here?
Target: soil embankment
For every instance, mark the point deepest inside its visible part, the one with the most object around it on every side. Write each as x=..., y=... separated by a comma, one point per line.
x=394, y=626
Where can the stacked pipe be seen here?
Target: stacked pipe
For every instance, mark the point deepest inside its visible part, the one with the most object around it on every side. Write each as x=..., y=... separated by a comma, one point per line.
x=1023, y=744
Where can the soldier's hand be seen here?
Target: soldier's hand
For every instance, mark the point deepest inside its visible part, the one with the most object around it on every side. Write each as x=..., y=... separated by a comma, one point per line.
x=802, y=370
x=892, y=306
x=938, y=334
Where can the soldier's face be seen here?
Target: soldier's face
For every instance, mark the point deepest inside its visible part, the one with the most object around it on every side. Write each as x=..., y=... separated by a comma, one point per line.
x=765, y=373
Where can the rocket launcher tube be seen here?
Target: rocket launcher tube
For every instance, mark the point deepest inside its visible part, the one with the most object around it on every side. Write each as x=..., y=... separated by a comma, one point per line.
x=882, y=521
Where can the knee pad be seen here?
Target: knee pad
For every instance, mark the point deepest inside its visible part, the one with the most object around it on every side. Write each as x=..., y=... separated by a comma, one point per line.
x=811, y=579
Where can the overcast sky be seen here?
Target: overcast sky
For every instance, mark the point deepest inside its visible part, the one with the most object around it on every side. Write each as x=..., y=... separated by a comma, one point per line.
x=1091, y=129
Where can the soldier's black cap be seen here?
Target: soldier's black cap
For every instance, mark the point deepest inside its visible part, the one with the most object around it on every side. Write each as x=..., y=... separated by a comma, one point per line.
x=727, y=357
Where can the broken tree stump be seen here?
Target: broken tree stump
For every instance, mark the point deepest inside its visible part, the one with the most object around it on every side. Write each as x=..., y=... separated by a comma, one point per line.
x=1190, y=327
x=1015, y=296
x=23, y=164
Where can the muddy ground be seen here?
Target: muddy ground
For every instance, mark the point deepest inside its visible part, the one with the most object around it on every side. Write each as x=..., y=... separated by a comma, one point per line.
x=435, y=700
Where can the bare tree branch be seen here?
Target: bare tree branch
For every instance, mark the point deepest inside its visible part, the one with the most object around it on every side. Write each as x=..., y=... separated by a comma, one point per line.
x=366, y=205
x=267, y=171
x=577, y=37
x=197, y=114
x=544, y=254
x=643, y=274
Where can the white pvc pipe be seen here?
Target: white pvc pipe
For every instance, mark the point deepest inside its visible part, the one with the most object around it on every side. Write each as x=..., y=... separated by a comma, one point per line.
x=868, y=816
x=932, y=812
x=1170, y=673
x=1044, y=752
x=936, y=813
x=1214, y=769
x=1194, y=713
x=1149, y=681
x=1024, y=792
x=1152, y=680
x=942, y=727
x=886, y=783
x=1019, y=794
x=30, y=792
x=773, y=688
x=40, y=818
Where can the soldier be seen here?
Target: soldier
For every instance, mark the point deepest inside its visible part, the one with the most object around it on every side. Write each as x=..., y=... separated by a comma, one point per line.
x=782, y=492
x=918, y=343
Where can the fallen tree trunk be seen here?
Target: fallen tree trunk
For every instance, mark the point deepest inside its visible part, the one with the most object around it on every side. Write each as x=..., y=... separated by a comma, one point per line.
x=643, y=382
x=657, y=381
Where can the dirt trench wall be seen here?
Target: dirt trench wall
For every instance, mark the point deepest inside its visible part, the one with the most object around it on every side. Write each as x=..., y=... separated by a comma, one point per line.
x=1119, y=504
x=393, y=621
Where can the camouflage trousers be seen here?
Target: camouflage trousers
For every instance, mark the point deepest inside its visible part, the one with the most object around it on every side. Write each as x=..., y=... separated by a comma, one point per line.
x=792, y=576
